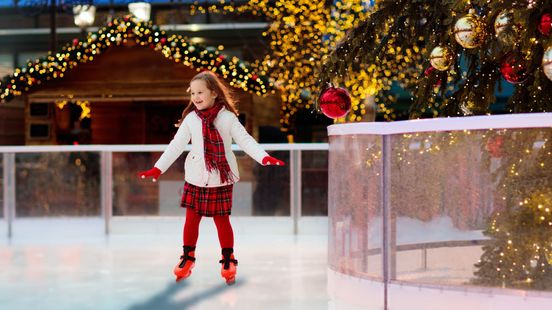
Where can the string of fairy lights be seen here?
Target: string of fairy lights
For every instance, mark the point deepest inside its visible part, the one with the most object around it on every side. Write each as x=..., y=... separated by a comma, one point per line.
x=526, y=253
x=122, y=31
x=517, y=255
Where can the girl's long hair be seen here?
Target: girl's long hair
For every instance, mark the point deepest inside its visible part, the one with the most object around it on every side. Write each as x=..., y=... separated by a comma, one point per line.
x=224, y=94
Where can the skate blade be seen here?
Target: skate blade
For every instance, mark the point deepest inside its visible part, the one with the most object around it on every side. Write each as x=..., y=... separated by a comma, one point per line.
x=180, y=278
x=231, y=281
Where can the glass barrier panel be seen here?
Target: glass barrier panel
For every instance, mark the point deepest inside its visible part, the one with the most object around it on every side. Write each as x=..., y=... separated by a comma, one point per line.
x=57, y=184
x=268, y=186
x=262, y=190
x=314, y=183
x=473, y=208
x=135, y=196
x=354, y=205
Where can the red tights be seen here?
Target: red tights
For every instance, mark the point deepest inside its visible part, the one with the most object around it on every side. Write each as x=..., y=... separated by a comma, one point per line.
x=224, y=229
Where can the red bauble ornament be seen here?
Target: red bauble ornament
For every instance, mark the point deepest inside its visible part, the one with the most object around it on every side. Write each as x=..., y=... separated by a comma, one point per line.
x=75, y=42
x=335, y=102
x=254, y=77
x=545, y=25
x=514, y=68
x=163, y=40
x=494, y=146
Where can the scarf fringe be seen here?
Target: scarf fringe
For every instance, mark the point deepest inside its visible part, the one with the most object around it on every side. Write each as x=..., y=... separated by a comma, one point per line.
x=224, y=170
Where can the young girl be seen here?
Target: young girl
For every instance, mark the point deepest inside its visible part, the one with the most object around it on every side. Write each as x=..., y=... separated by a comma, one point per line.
x=210, y=170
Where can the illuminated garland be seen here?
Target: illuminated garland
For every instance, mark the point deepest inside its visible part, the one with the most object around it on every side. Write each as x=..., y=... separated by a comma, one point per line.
x=236, y=72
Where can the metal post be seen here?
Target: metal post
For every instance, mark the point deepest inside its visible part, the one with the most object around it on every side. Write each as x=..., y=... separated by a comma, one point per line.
x=295, y=188
x=9, y=190
x=107, y=188
x=424, y=258
x=385, y=197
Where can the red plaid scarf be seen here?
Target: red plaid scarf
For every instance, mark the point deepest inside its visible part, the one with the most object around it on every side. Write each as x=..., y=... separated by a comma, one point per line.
x=213, y=146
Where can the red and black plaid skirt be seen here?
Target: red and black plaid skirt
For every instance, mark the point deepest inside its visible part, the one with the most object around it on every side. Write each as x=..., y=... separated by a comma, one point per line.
x=208, y=201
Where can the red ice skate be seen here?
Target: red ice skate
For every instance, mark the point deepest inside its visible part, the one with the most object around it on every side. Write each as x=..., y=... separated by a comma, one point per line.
x=187, y=262
x=229, y=263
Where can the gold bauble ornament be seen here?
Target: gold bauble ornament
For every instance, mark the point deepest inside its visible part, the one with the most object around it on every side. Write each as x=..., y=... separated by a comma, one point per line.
x=469, y=31
x=547, y=63
x=441, y=58
x=505, y=28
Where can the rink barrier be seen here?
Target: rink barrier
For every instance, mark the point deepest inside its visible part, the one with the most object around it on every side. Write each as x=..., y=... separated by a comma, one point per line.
x=106, y=175
x=480, y=122
x=400, y=294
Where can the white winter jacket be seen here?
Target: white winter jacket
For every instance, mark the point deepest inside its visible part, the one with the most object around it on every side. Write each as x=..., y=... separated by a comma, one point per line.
x=195, y=171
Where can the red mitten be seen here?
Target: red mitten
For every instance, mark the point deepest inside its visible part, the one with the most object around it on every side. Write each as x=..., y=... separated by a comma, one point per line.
x=153, y=172
x=269, y=160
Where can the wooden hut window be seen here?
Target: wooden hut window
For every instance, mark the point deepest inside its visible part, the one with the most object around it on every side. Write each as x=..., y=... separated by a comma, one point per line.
x=39, y=109
x=39, y=131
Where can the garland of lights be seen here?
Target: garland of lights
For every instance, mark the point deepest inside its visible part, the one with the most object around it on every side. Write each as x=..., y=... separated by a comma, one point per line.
x=119, y=31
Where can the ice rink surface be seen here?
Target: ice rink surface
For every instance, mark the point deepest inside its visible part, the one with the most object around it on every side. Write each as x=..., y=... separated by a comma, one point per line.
x=45, y=266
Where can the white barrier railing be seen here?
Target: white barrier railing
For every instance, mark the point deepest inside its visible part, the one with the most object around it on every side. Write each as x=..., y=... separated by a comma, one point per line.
x=106, y=173
x=530, y=120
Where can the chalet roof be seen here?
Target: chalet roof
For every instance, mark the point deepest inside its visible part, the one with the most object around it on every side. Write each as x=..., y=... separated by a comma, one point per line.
x=124, y=31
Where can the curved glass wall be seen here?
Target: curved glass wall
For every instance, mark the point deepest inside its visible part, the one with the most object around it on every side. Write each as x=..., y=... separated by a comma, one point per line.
x=355, y=208
x=454, y=207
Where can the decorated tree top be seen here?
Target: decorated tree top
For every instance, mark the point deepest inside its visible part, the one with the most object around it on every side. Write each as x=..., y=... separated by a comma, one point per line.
x=469, y=48
x=177, y=48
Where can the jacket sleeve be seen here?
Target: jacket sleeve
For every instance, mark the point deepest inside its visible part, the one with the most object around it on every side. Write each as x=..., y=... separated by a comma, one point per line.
x=175, y=148
x=246, y=141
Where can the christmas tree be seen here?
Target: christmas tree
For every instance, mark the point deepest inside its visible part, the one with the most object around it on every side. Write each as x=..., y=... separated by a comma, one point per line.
x=519, y=252
x=469, y=49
